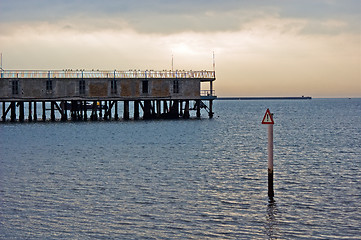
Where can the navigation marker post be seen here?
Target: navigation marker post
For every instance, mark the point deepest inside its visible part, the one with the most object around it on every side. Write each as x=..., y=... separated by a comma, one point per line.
x=268, y=119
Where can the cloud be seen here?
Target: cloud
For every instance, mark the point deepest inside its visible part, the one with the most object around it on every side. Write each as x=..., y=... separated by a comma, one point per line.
x=169, y=17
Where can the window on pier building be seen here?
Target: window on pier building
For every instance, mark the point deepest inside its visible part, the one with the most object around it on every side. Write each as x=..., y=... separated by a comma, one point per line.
x=81, y=87
x=175, y=86
x=145, y=86
x=113, y=87
x=49, y=85
x=15, y=87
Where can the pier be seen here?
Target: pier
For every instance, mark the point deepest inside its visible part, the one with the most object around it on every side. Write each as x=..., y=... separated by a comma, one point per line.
x=82, y=95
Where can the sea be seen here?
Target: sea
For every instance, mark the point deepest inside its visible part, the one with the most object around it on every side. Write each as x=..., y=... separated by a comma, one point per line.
x=187, y=179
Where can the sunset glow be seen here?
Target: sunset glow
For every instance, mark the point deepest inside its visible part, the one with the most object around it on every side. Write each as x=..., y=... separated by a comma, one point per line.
x=260, y=49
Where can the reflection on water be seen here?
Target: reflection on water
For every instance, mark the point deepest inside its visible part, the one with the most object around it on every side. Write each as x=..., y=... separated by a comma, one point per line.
x=272, y=220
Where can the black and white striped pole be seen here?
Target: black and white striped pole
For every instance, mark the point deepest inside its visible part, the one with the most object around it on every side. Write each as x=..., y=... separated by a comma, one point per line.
x=268, y=119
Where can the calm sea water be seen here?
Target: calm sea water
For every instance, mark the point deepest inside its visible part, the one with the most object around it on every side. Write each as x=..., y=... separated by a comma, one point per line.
x=187, y=179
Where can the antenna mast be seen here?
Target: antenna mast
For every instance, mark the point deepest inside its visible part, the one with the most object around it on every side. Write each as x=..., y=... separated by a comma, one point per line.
x=214, y=63
x=172, y=62
x=1, y=61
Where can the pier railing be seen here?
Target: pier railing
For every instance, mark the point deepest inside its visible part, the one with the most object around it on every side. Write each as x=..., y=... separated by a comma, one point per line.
x=207, y=93
x=105, y=74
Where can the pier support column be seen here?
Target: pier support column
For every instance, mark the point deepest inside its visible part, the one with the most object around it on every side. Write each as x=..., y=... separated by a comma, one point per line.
x=52, y=109
x=158, y=108
x=4, y=115
x=181, y=108
x=63, y=111
x=198, y=108
x=186, y=114
x=13, y=112
x=30, y=117
x=116, y=117
x=210, y=108
x=44, y=115
x=175, y=109
x=100, y=109
x=94, y=115
x=35, y=114
x=136, y=110
x=147, y=109
x=109, y=112
x=176, y=104
x=105, y=117
x=21, y=111
x=80, y=110
x=73, y=110
x=153, y=113
x=85, y=111
x=126, y=110
x=165, y=106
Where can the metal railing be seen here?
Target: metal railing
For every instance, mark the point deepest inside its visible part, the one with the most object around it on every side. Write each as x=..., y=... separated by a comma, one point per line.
x=208, y=93
x=105, y=74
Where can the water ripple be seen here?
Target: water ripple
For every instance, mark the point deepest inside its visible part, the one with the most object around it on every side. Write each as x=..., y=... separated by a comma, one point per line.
x=201, y=179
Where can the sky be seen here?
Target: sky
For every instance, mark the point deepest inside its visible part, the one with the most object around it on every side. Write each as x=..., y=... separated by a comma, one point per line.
x=261, y=48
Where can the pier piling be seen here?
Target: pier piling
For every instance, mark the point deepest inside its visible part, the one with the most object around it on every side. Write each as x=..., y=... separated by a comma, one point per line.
x=21, y=111
x=44, y=109
x=52, y=109
x=136, y=110
x=30, y=117
x=35, y=113
x=116, y=117
x=126, y=110
x=4, y=112
x=13, y=111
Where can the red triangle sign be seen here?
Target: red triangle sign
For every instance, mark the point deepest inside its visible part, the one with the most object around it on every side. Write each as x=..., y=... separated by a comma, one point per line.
x=268, y=119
